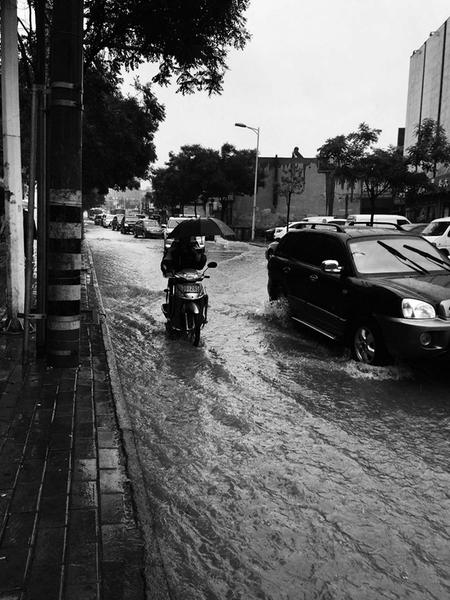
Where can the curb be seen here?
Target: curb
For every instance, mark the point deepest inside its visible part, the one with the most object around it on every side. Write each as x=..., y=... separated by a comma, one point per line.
x=157, y=585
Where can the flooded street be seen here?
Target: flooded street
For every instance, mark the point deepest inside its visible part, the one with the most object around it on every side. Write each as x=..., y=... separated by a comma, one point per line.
x=278, y=467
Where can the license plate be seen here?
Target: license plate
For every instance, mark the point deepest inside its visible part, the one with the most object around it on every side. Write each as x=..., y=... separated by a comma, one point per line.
x=189, y=288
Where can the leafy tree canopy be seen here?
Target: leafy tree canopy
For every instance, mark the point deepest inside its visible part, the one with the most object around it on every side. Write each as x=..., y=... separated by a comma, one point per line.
x=197, y=174
x=118, y=134
x=188, y=40
x=431, y=148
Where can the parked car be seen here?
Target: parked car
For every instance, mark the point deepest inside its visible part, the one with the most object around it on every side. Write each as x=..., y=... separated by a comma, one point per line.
x=148, y=228
x=98, y=218
x=128, y=222
x=384, y=292
x=438, y=233
x=107, y=220
x=117, y=218
x=92, y=212
x=378, y=218
x=416, y=228
x=281, y=231
x=170, y=226
x=269, y=233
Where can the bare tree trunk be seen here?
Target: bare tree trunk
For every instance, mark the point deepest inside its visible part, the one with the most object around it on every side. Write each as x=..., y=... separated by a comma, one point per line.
x=288, y=212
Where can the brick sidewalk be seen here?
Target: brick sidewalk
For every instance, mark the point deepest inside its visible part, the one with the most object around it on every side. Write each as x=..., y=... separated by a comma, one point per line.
x=67, y=524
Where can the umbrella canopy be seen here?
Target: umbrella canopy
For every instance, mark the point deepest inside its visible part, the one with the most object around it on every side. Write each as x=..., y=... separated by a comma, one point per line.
x=202, y=226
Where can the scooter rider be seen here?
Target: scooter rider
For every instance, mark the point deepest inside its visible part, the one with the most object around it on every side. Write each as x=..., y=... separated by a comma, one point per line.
x=183, y=254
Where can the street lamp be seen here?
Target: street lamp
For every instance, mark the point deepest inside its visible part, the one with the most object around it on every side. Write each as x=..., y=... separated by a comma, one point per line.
x=255, y=187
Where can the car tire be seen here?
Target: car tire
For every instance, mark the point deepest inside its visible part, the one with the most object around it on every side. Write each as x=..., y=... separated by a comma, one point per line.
x=367, y=343
x=276, y=292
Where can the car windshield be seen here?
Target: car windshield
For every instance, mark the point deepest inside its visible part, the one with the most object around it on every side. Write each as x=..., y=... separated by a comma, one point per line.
x=402, y=254
x=437, y=228
x=151, y=223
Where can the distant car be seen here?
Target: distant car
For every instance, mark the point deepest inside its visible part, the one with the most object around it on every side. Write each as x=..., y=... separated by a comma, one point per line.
x=128, y=222
x=107, y=220
x=281, y=231
x=117, y=219
x=269, y=233
x=384, y=292
x=377, y=218
x=148, y=228
x=341, y=222
x=416, y=228
x=438, y=233
x=98, y=219
x=170, y=226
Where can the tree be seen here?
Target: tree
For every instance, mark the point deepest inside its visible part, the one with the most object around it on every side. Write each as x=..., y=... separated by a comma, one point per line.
x=191, y=176
x=384, y=170
x=118, y=134
x=197, y=174
x=188, y=41
x=432, y=147
x=342, y=154
x=292, y=181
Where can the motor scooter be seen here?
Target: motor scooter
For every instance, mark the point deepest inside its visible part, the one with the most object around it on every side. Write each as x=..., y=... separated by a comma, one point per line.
x=186, y=306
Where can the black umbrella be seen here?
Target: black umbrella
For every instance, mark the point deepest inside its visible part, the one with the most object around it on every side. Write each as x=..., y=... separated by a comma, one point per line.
x=202, y=226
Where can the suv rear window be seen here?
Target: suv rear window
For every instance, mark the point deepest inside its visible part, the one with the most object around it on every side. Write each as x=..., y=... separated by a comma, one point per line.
x=311, y=247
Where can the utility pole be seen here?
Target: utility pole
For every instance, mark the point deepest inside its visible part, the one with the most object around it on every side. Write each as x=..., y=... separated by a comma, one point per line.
x=41, y=173
x=64, y=212
x=12, y=166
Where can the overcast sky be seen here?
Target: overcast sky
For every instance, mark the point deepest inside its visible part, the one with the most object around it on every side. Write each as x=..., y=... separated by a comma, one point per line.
x=312, y=70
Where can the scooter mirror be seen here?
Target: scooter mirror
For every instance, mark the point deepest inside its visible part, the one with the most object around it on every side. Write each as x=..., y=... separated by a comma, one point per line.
x=212, y=265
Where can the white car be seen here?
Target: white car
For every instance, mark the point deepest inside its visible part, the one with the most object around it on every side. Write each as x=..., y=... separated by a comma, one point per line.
x=438, y=233
x=281, y=231
x=107, y=220
x=365, y=219
x=171, y=224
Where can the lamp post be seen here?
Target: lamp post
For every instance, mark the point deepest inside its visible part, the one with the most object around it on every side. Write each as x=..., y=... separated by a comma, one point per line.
x=255, y=186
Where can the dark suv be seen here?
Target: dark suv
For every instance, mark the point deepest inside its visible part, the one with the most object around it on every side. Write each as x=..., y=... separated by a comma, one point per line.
x=384, y=292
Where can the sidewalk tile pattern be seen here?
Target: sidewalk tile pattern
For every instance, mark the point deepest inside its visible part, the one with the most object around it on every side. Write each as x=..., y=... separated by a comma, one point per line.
x=67, y=525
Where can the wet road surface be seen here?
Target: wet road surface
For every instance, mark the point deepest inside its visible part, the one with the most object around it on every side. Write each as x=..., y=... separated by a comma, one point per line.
x=277, y=466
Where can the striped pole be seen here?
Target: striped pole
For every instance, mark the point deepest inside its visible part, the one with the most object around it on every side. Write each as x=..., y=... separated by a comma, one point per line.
x=64, y=209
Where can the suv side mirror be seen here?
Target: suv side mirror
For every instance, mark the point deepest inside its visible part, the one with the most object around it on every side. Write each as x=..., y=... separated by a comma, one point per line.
x=331, y=266
x=211, y=265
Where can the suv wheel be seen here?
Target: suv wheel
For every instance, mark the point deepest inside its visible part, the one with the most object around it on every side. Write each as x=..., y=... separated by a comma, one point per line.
x=275, y=292
x=368, y=345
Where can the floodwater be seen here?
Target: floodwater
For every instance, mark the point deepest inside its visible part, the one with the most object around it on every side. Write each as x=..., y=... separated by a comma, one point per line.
x=278, y=468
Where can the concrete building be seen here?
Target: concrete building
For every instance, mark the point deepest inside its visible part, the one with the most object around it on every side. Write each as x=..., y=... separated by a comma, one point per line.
x=429, y=83
x=311, y=195
x=429, y=97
